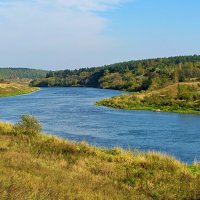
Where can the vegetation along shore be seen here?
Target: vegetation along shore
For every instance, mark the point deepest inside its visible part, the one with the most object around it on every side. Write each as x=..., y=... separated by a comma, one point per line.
x=15, y=81
x=37, y=166
x=181, y=98
x=13, y=89
x=163, y=84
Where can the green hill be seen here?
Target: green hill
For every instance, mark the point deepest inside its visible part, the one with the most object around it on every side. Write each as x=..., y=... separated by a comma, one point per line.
x=21, y=73
x=130, y=76
x=35, y=166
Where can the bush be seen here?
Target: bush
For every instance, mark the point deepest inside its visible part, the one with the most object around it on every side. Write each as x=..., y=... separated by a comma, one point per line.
x=28, y=125
x=5, y=128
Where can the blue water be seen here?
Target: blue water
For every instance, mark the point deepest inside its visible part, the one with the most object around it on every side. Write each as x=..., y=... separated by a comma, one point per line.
x=71, y=113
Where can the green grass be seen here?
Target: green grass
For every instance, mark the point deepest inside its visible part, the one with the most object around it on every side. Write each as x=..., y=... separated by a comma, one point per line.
x=13, y=89
x=119, y=103
x=179, y=98
x=42, y=167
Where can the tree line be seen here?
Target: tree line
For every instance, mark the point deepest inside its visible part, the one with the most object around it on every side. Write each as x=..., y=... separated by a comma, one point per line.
x=130, y=76
x=21, y=73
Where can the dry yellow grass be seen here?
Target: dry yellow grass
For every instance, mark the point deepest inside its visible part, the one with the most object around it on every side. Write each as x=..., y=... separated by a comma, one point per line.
x=171, y=90
x=12, y=89
x=180, y=97
x=45, y=167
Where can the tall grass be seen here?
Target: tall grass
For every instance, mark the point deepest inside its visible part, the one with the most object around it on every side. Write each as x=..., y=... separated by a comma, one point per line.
x=180, y=98
x=13, y=89
x=38, y=167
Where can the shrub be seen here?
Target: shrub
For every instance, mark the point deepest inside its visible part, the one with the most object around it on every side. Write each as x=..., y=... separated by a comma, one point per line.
x=28, y=125
x=6, y=128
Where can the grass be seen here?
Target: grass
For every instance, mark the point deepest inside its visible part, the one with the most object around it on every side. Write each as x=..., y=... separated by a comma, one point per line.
x=13, y=89
x=45, y=167
x=180, y=98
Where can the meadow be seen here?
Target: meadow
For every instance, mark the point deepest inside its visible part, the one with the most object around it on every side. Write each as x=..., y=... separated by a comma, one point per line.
x=180, y=97
x=14, y=88
x=37, y=166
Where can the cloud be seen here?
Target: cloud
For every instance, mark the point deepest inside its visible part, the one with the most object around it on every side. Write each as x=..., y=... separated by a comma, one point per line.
x=83, y=5
x=90, y=5
x=54, y=32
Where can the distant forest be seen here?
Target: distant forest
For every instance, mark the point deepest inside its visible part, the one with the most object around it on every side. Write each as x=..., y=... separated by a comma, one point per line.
x=21, y=73
x=130, y=76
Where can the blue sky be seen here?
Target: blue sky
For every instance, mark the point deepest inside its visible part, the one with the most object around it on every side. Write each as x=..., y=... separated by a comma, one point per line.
x=59, y=34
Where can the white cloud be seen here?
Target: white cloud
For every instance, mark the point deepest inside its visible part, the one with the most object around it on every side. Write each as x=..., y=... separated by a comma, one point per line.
x=53, y=32
x=84, y=5
x=90, y=5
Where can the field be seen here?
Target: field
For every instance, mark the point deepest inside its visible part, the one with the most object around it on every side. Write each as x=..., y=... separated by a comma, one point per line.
x=36, y=166
x=13, y=89
x=180, y=97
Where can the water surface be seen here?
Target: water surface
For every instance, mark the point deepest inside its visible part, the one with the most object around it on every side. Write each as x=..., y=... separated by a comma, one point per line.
x=71, y=113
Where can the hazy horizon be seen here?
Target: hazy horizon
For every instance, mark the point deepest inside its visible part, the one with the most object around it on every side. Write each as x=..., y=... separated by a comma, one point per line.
x=73, y=34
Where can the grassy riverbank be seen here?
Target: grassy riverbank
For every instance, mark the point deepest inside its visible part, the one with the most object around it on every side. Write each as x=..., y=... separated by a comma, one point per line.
x=35, y=166
x=180, y=97
x=13, y=89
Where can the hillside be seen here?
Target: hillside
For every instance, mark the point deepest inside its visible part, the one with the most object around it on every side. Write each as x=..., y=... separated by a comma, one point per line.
x=130, y=76
x=21, y=73
x=13, y=89
x=35, y=166
x=180, y=97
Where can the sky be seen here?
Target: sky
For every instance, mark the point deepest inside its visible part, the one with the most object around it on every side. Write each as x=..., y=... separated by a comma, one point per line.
x=69, y=34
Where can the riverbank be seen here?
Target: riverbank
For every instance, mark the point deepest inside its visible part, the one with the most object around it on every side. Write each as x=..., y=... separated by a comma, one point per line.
x=14, y=89
x=179, y=98
x=36, y=166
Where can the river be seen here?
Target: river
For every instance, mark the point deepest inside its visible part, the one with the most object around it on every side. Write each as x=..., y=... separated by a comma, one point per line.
x=71, y=113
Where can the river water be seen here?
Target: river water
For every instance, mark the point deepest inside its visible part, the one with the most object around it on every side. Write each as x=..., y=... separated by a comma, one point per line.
x=71, y=113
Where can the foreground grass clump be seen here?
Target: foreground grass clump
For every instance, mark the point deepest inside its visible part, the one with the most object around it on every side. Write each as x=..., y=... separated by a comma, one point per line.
x=36, y=166
x=181, y=98
x=13, y=89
